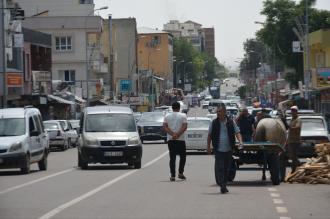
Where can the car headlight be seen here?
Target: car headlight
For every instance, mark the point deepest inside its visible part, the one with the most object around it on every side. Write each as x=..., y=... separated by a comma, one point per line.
x=16, y=147
x=133, y=141
x=91, y=142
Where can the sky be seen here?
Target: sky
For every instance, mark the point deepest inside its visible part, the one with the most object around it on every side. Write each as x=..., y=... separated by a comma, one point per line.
x=233, y=20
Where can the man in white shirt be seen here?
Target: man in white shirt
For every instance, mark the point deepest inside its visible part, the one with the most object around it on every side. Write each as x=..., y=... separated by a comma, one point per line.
x=175, y=124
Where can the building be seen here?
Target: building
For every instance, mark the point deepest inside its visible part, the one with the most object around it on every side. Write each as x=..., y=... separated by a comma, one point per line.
x=124, y=55
x=76, y=49
x=57, y=7
x=209, y=41
x=190, y=30
x=319, y=44
x=155, y=60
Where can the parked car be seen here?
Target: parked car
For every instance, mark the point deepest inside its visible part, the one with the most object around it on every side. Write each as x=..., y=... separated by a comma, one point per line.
x=165, y=109
x=23, y=139
x=137, y=116
x=205, y=104
x=58, y=138
x=150, y=126
x=109, y=135
x=183, y=107
x=314, y=131
x=301, y=112
x=75, y=125
x=197, y=132
x=71, y=132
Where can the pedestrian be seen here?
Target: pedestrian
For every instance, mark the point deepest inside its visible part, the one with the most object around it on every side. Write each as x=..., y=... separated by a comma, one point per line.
x=245, y=122
x=293, y=141
x=175, y=125
x=222, y=132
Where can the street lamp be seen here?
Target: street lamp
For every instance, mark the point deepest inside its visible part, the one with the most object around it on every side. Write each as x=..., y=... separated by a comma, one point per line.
x=87, y=60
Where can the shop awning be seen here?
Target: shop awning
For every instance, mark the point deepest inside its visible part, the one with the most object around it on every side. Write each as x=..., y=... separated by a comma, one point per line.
x=76, y=97
x=60, y=100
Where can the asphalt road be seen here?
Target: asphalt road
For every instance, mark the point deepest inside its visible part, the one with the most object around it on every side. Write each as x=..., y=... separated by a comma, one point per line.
x=65, y=191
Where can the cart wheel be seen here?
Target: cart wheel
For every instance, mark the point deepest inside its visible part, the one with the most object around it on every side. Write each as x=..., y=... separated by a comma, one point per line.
x=274, y=168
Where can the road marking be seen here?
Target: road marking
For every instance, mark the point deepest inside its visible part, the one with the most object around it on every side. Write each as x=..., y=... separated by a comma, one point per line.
x=35, y=181
x=281, y=210
x=278, y=201
x=272, y=189
x=275, y=195
x=64, y=206
x=285, y=217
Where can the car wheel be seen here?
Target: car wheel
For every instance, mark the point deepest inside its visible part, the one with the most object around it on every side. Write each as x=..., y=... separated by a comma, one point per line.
x=137, y=164
x=42, y=164
x=81, y=163
x=26, y=168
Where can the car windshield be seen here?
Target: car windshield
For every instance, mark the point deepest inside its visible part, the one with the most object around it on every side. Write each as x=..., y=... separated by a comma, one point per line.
x=12, y=127
x=152, y=117
x=312, y=124
x=216, y=104
x=198, y=123
x=64, y=125
x=49, y=125
x=110, y=123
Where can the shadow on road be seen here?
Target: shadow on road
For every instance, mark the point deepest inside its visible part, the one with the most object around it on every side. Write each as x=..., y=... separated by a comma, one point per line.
x=253, y=183
x=107, y=167
x=15, y=172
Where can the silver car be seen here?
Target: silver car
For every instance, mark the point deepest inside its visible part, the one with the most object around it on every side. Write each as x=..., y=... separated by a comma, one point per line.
x=109, y=135
x=58, y=138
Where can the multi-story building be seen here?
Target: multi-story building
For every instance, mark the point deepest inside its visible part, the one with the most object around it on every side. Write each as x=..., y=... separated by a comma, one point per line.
x=57, y=7
x=209, y=41
x=189, y=30
x=155, y=60
x=123, y=61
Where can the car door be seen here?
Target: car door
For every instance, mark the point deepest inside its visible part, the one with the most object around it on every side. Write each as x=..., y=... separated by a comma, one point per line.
x=34, y=139
x=42, y=138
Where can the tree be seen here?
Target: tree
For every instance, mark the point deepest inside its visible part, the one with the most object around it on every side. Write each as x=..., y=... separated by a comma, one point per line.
x=277, y=31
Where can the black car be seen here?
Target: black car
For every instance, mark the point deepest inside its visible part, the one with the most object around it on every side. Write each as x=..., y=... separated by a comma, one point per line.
x=150, y=126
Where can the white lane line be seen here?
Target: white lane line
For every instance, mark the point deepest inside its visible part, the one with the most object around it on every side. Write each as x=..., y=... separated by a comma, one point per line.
x=64, y=206
x=281, y=210
x=278, y=201
x=272, y=189
x=35, y=181
x=285, y=217
x=275, y=195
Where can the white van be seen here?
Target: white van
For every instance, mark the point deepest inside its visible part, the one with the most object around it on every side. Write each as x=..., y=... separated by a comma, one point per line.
x=109, y=135
x=23, y=140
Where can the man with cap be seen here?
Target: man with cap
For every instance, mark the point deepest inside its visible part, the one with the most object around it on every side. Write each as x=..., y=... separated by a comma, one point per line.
x=293, y=141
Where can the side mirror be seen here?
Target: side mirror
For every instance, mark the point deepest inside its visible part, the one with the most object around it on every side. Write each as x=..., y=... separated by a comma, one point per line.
x=34, y=133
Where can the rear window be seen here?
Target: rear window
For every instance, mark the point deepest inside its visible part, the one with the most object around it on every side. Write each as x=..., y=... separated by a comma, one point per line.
x=312, y=124
x=51, y=125
x=198, y=124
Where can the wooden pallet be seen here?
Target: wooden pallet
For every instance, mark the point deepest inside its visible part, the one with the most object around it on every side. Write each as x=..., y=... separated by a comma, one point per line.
x=315, y=170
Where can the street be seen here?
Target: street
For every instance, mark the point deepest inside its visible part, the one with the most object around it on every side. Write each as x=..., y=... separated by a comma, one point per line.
x=116, y=191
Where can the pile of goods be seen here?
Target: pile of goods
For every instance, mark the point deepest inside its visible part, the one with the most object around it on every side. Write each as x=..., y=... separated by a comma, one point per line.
x=315, y=170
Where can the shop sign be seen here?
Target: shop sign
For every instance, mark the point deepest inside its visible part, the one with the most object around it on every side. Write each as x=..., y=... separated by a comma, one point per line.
x=14, y=79
x=323, y=77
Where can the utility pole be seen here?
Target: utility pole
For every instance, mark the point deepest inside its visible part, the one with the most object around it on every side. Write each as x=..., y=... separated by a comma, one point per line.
x=110, y=59
x=307, y=76
x=3, y=60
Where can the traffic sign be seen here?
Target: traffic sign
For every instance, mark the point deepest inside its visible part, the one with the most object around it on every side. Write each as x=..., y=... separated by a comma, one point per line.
x=125, y=85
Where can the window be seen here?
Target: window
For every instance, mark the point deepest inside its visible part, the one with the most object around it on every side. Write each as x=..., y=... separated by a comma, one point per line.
x=67, y=75
x=63, y=43
x=86, y=2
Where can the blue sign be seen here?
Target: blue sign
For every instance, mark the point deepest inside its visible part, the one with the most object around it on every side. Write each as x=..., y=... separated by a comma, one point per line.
x=125, y=85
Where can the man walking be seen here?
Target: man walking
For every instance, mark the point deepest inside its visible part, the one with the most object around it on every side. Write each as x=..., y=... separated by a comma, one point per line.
x=294, y=138
x=175, y=124
x=222, y=134
x=245, y=123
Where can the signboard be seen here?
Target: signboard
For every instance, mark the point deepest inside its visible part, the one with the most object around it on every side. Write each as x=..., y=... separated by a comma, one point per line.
x=18, y=40
x=296, y=46
x=323, y=77
x=14, y=79
x=125, y=85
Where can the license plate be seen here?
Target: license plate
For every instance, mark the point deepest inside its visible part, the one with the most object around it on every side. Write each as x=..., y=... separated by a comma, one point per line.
x=194, y=136
x=113, y=153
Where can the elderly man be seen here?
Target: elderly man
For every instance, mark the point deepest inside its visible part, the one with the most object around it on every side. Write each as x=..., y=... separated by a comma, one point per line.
x=222, y=132
x=294, y=138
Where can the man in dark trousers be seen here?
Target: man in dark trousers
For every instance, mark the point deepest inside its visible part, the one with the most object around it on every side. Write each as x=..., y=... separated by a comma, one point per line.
x=294, y=138
x=222, y=134
x=175, y=124
x=245, y=123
